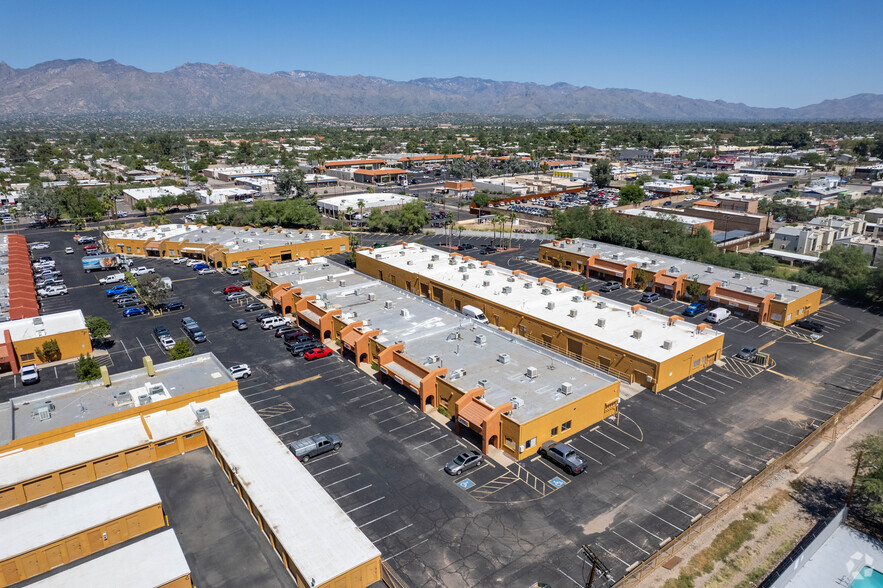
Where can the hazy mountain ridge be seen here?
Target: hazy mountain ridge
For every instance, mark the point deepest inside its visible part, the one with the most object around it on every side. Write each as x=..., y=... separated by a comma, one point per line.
x=82, y=86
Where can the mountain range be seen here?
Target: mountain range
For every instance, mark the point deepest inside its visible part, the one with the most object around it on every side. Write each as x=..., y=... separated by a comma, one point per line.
x=80, y=87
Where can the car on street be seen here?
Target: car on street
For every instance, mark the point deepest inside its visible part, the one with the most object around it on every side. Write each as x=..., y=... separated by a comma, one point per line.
x=317, y=353
x=694, y=308
x=122, y=214
x=166, y=342
x=29, y=374
x=465, y=461
x=134, y=311
x=251, y=306
x=747, y=353
x=649, y=297
x=68, y=250
x=240, y=372
x=233, y=270
x=240, y=324
x=141, y=271
x=236, y=296
x=306, y=449
x=120, y=289
x=169, y=306
x=53, y=291
x=809, y=325
x=231, y=289
x=564, y=456
x=205, y=270
x=610, y=287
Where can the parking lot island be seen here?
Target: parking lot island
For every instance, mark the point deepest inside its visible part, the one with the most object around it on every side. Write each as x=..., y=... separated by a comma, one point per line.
x=756, y=297
x=627, y=341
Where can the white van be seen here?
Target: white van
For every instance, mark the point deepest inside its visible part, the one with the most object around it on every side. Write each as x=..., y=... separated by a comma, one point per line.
x=475, y=314
x=718, y=315
x=271, y=322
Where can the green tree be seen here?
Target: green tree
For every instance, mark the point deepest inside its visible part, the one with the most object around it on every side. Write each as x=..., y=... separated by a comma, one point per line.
x=631, y=194
x=152, y=290
x=49, y=351
x=721, y=178
x=602, y=175
x=182, y=349
x=285, y=182
x=481, y=199
x=666, y=176
x=99, y=327
x=187, y=199
x=142, y=205
x=87, y=368
x=38, y=201
x=868, y=492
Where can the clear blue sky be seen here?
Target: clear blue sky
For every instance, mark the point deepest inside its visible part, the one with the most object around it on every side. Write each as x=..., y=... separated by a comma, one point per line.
x=762, y=53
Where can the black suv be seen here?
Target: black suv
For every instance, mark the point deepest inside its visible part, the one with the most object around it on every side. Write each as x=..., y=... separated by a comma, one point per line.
x=814, y=326
x=167, y=306
x=298, y=348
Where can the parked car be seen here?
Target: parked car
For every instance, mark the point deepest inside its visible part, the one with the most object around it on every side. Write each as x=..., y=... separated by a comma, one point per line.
x=178, y=260
x=29, y=374
x=142, y=270
x=188, y=322
x=610, y=287
x=565, y=456
x=465, y=247
x=298, y=348
x=649, y=297
x=205, y=270
x=121, y=289
x=159, y=331
x=112, y=279
x=254, y=306
x=747, y=353
x=199, y=266
x=166, y=342
x=809, y=325
x=236, y=296
x=240, y=324
x=694, y=308
x=46, y=282
x=169, y=306
x=233, y=270
x=231, y=289
x=193, y=262
x=284, y=330
x=53, y=291
x=297, y=336
x=134, y=311
x=37, y=246
x=240, y=372
x=306, y=449
x=195, y=333
x=264, y=315
x=465, y=461
x=68, y=250
x=718, y=315
x=317, y=353
x=128, y=302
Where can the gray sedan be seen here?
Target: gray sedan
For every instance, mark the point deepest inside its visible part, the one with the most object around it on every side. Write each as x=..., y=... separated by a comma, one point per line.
x=463, y=462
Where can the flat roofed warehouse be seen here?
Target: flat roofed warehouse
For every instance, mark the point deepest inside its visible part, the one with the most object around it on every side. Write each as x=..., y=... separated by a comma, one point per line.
x=222, y=246
x=625, y=340
x=503, y=388
x=761, y=298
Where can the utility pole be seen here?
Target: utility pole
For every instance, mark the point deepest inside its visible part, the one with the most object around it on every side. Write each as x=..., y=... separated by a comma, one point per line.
x=597, y=566
x=858, y=464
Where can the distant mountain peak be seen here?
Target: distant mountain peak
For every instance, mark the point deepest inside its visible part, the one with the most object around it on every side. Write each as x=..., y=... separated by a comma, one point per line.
x=83, y=87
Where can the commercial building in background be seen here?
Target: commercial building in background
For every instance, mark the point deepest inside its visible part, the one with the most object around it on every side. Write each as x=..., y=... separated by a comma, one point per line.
x=500, y=185
x=74, y=436
x=379, y=176
x=459, y=188
x=636, y=154
x=868, y=172
x=843, y=226
x=225, y=195
x=18, y=298
x=693, y=223
x=736, y=201
x=803, y=239
x=361, y=204
x=22, y=338
x=512, y=393
x=724, y=220
x=419, y=161
x=871, y=245
x=133, y=195
x=756, y=297
x=664, y=187
x=231, y=174
x=223, y=247
x=354, y=163
x=627, y=341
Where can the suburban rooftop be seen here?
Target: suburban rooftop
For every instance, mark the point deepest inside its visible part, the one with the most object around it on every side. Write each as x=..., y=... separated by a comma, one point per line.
x=435, y=336
x=701, y=272
x=231, y=238
x=45, y=325
x=655, y=214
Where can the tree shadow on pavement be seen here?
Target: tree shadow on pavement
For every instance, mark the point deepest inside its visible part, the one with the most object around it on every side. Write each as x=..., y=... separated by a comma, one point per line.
x=821, y=499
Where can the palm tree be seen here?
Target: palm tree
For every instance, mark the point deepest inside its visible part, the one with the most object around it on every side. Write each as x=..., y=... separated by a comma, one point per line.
x=349, y=212
x=361, y=205
x=512, y=218
x=459, y=234
x=501, y=219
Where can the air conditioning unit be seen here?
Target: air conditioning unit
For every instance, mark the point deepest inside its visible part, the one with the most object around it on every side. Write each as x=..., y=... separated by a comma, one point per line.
x=749, y=289
x=709, y=269
x=503, y=358
x=510, y=279
x=667, y=344
x=507, y=289
x=601, y=322
x=577, y=299
x=484, y=383
x=410, y=262
x=531, y=373
x=423, y=249
x=465, y=276
x=674, y=269
x=452, y=261
x=122, y=399
x=457, y=374
x=637, y=333
x=463, y=269
x=431, y=359
x=737, y=275
x=765, y=281
x=453, y=336
x=330, y=278
x=566, y=388
x=793, y=288
x=202, y=414
x=402, y=252
x=341, y=283
x=480, y=340
x=516, y=402
x=778, y=296
x=601, y=304
x=434, y=258
x=43, y=410
x=388, y=304
x=528, y=285
x=357, y=291
x=573, y=312
x=546, y=291
x=550, y=306
x=485, y=283
x=372, y=296
x=405, y=313
x=488, y=272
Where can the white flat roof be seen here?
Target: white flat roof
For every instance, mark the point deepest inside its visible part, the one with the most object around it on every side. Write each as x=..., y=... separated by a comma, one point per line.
x=153, y=561
x=527, y=297
x=687, y=220
x=55, y=520
x=152, y=192
x=322, y=541
x=45, y=325
x=368, y=200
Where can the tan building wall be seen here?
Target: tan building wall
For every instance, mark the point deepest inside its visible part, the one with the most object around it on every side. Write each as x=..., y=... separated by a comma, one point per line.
x=71, y=344
x=725, y=220
x=82, y=544
x=596, y=353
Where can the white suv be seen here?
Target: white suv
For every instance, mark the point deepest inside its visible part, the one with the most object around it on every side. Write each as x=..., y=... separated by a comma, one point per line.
x=29, y=375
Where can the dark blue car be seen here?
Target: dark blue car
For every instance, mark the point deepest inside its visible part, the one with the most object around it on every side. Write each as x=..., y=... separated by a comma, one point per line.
x=120, y=289
x=134, y=311
x=694, y=309
x=200, y=266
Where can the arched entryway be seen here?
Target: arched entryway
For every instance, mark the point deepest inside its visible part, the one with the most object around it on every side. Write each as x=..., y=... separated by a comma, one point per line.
x=326, y=335
x=494, y=441
x=430, y=400
x=363, y=358
x=287, y=311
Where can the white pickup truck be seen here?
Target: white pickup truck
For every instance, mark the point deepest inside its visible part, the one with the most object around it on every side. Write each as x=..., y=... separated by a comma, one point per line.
x=113, y=279
x=141, y=270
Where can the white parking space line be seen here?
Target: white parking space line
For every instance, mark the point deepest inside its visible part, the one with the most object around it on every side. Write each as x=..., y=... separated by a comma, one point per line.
x=258, y=393
x=783, y=432
x=359, y=490
x=440, y=452
x=126, y=350
x=285, y=422
x=378, y=518
x=611, y=438
x=657, y=537
x=409, y=549
x=663, y=520
x=417, y=433
x=405, y=425
x=607, y=551
x=693, y=500
x=703, y=489
x=393, y=533
x=394, y=417
x=387, y=408
x=688, y=396
x=358, y=387
x=740, y=450
x=357, y=474
x=788, y=445
x=691, y=388
x=629, y=542
x=722, y=482
x=359, y=397
x=678, y=401
x=716, y=382
x=732, y=473
x=765, y=448
x=266, y=399
x=598, y=446
x=294, y=430
x=374, y=402
x=331, y=469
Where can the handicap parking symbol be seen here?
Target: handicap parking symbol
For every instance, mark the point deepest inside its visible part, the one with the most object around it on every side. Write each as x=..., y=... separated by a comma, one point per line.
x=466, y=484
x=557, y=482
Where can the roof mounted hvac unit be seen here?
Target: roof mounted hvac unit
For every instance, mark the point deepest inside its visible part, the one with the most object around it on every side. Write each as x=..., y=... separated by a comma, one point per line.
x=550, y=305
x=484, y=383
x=637, y=333
x=457, y=374
x=486, y=283
x=463, y=269
x=404, y=312
x=531, y=373
x=510, y=279
x=410, y=262
x=341, y=283
x=388, y=304
x=601, y=322
x=709, y=269
x=503, y=358
x=528, y=285
x=488, y=272
x=480, y=340
x=566, y=388
x=577, y=298
x=431, y=359
x=546, y=291
x=667, y=344
x=430, y=265
x=507, y=289
x=465, y=276
x=601, y=304
x=573, y=312
x=43, y=410
x=452, y=261
x=372, y=296
x=516, y=402
x=433, y=258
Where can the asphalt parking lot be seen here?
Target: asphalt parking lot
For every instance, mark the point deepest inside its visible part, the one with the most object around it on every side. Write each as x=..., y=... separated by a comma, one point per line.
x=666, y=460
